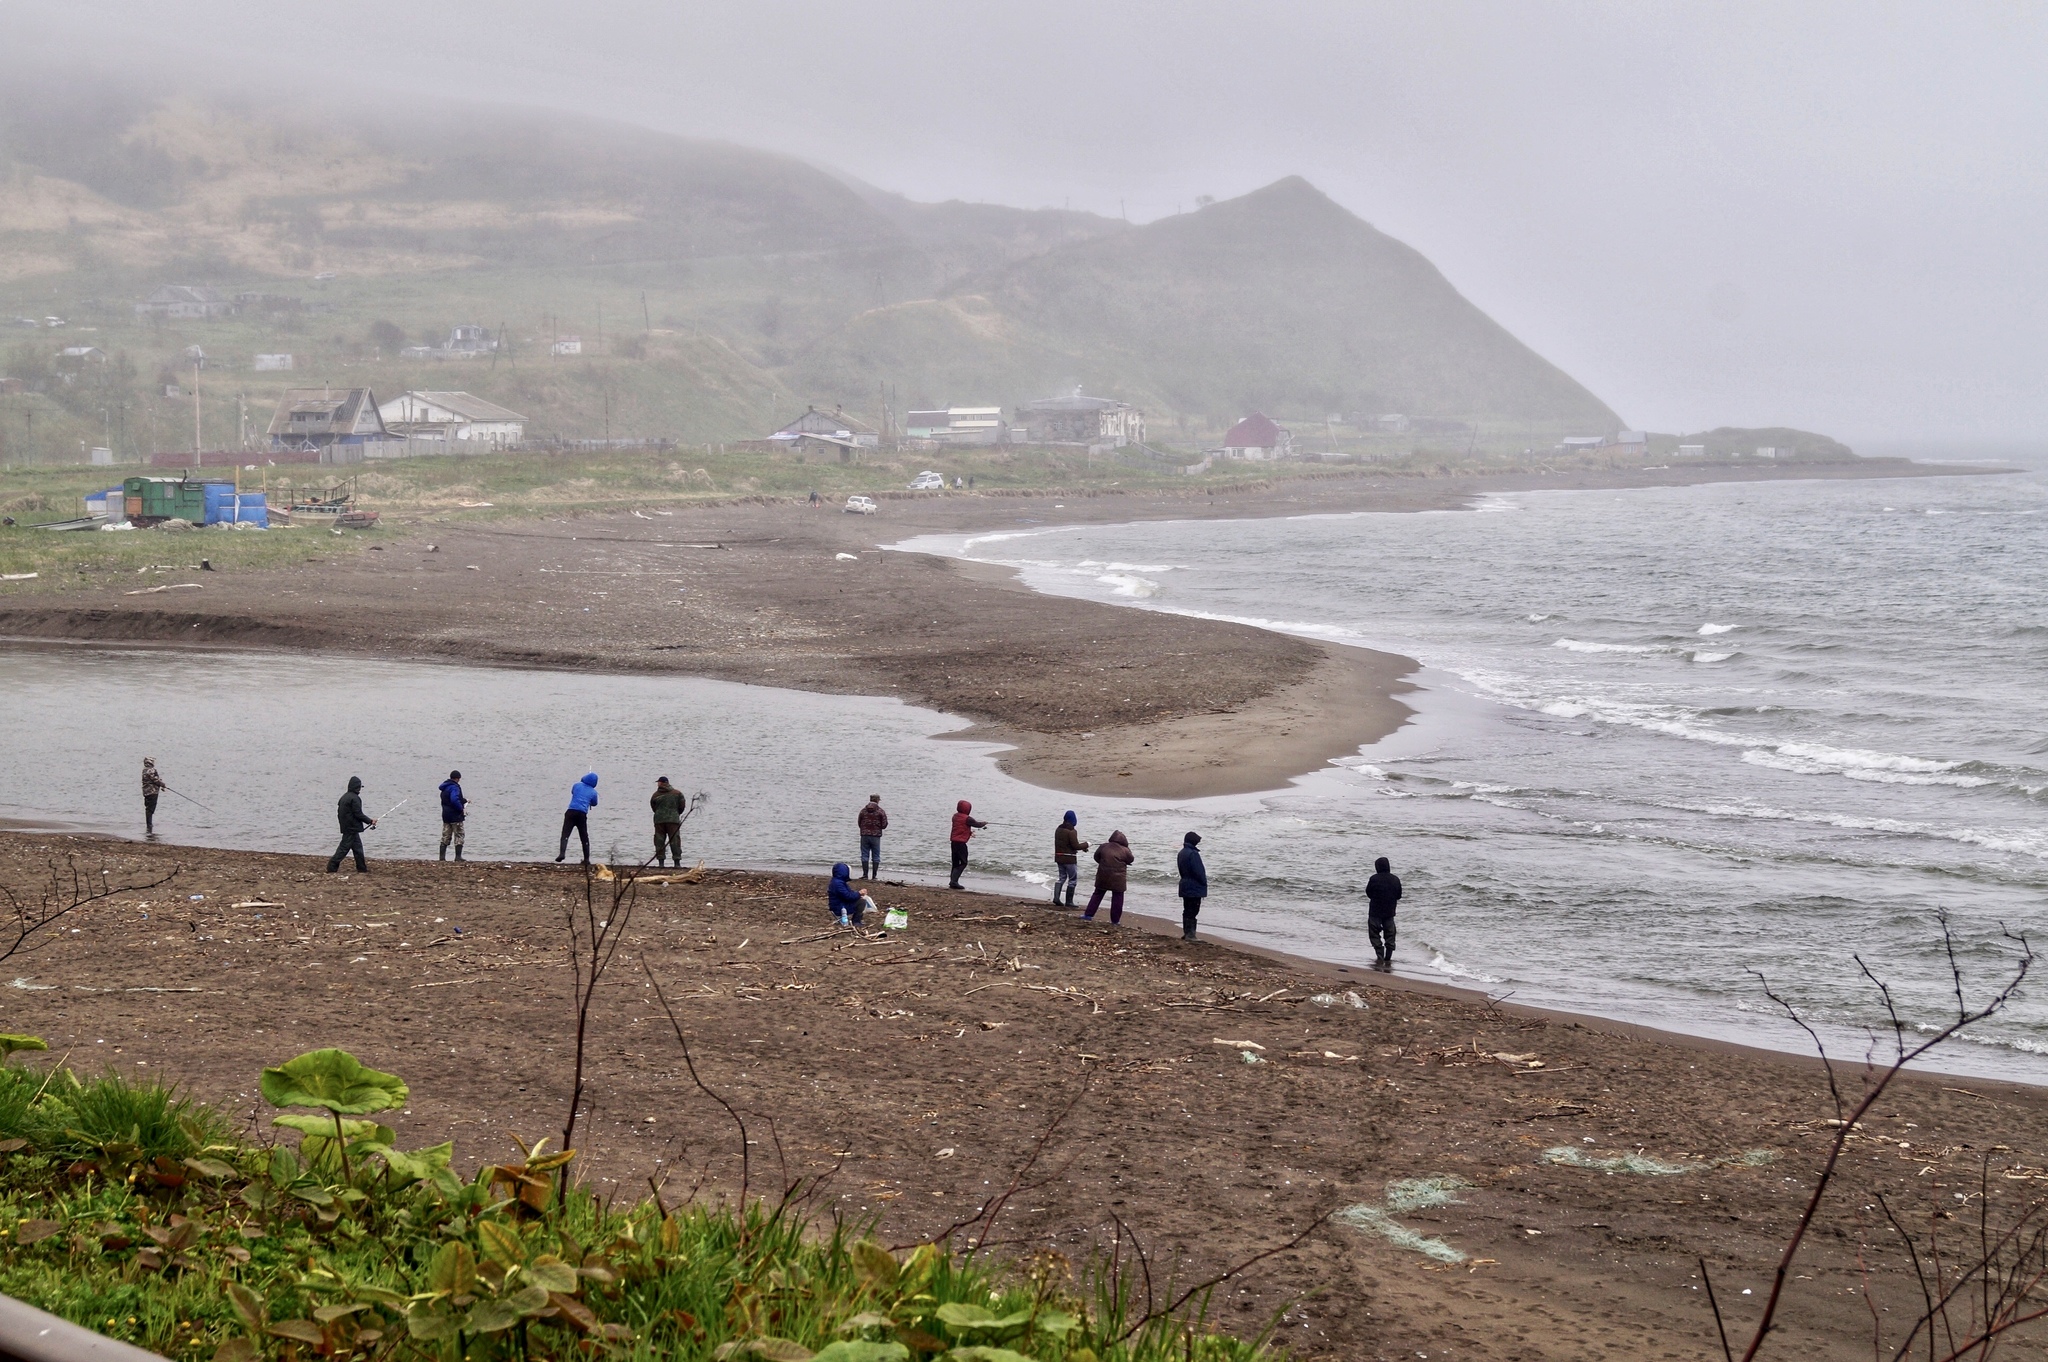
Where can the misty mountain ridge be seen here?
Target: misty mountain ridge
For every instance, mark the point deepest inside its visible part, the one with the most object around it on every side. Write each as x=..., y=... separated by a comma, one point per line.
x=798, y=284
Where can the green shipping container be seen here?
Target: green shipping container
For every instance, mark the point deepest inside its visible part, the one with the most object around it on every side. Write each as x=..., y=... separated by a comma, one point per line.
x=150, y=500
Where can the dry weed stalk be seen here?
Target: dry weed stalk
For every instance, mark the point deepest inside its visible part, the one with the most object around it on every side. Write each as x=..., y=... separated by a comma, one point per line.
x=64, y=891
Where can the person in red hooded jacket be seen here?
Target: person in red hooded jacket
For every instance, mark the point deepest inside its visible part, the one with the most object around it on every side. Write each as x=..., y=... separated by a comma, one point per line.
x=964, y=824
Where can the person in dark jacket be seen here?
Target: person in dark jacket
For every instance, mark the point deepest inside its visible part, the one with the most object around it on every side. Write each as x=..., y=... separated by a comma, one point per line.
x=843, y=898
x=1194, y=884
x=1112, y=876
x=152, y=786
x=872, y=823
x=1382, y=892
x=1067, y=847
x=964, y=824
x=668, y=805
x=454, y=813
x=582, y=799
x=349, y=810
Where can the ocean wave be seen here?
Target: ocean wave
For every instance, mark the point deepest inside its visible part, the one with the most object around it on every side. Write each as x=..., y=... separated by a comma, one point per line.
x=1444, y=965
x=1538, y=619
x=1709, y=630
x=1888, y=768
x=1709, y=657
x=1127, y=585
x=1091, y=565
x=2019, y=842
x=1574, y=645
x=1032, y=876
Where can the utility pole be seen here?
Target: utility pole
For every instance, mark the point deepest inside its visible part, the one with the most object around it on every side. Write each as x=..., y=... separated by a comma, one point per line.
x=198, y=444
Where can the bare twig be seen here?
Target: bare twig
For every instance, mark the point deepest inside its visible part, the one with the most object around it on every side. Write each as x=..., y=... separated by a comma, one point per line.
x=1720, y=1326
x=64, y=891
x=1210, y=1283
x=593, y=941
x=746, y=1165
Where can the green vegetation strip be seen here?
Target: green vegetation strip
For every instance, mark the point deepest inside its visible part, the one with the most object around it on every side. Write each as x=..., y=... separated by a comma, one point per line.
x=132, y=1211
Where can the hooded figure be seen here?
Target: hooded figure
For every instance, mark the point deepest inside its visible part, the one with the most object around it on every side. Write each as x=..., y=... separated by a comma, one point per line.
x=668, y=806
x=454, y=812
x=964, y=824
x=1067, y=847
x=1113, y=861
x=1194, y=883
x=843, y=898
x=582, y=799
x=152, y=786
x=348, y=810
x=1382, y=892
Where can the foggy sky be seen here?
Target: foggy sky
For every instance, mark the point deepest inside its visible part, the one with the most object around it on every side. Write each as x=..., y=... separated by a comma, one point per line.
x=1823, y=215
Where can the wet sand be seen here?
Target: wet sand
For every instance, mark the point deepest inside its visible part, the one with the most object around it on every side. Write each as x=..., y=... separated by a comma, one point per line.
x=1095, y=698
x=924, y=1066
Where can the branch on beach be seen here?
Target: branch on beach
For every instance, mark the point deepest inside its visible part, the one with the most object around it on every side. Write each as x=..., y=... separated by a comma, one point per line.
x=65, y=890
x=2004, y=1280
x=593, y=940
x=689, y=1063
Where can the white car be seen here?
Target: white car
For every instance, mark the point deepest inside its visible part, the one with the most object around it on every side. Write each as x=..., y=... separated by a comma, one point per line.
x=928, y=481
x=861, y=506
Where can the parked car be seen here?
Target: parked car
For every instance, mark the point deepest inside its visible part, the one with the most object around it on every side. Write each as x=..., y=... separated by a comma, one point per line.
x=861, y=506
x=928, y=481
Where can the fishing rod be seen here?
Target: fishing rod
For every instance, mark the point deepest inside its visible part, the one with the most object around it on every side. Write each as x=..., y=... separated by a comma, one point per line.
x=187, y=798
x=394, y=808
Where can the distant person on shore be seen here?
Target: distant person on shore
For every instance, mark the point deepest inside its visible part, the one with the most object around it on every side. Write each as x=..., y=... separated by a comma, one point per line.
x=1382, y=892
x=454, y=813
x=848, y=905
x=1067, y=847
x=349, y=810
x=1112, y=876
x=152, y=786
x=964, y=824
x=1194, y=884
x=668, y=805
x=582, y=799
x=872, y=823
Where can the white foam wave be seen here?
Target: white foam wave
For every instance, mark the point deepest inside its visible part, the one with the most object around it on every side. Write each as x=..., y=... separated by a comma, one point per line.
x=1538, y=619
x=1126, y=584
x=1575, y=645
x=1710, y=657
x=1709, y=630
x=1444, y=965
x=1129, y=567
x=1885, y=768
x=1032, y=876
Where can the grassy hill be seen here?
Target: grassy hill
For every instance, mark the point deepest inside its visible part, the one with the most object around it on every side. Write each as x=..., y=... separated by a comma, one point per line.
x=717, y=289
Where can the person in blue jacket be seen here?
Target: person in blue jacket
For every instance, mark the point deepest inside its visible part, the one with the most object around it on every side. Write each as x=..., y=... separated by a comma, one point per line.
x=582, y=799
x=1194, y=884
x=847, y=907
x=454, y=811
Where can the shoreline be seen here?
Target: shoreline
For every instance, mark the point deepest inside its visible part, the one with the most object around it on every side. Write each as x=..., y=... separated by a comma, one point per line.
x=921, y=1065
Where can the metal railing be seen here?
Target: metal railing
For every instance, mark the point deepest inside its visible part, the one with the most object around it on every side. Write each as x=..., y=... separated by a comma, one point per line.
x=29, y=1335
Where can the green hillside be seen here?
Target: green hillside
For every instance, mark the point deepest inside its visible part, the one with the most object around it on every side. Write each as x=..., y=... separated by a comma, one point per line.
x=716, y=288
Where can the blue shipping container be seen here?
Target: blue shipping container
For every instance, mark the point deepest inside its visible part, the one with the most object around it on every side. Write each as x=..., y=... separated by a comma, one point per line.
x=224, y=505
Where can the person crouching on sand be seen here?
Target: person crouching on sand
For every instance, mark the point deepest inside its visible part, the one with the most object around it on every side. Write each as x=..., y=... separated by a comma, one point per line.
x=1194, y=884
x=844, y=900
x=1112, y=875
x=1382, y=892
x=1067, y=847
x=582, y=799
x=964, y=824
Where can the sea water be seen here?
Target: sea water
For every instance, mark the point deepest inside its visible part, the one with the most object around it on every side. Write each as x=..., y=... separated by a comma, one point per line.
x=1677, y=750
x=1673, y=747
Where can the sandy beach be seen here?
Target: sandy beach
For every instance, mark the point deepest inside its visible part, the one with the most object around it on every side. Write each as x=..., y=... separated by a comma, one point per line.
x=926, y=1065
x=1094, y=698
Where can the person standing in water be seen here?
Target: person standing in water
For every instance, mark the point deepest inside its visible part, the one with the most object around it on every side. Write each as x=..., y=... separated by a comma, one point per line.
x=152, y=786
x=1382, y=892
x=582, y=799
x=1067, y=847
x=964, y=824
x=1194, y=883
x=349, y=810
x=454, y=813
x=872, y=823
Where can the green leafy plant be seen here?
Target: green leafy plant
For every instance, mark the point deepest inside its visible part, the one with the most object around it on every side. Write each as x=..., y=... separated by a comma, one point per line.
x=338, y=1083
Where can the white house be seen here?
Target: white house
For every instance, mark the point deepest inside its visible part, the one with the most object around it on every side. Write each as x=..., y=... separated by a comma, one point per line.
x=452, y=416
x=184, y=301
x=956, y=425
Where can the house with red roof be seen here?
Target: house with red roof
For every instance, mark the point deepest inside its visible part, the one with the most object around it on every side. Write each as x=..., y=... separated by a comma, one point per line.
x=1258, y=437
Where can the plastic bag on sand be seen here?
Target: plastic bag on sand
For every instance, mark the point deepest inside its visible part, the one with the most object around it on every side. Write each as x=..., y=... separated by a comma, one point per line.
x=897, y=919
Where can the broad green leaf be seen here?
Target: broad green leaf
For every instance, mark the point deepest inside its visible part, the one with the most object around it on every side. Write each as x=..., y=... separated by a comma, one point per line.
x=529, y=1299
x=500, y=1244
x=550, y=1162
x=775, y=1350
x=235, y=1350
x=1058, y=1323
x=10, y=1044
x=454, y=1271
x=327, y=1314
x=377, y=1295
x=866, y=1319
x=304, y=1330
x=430, y=1325
x=876, y=1264
x=551, y=1274
x=334, y=1080
x=418, y=1165
x=211, y=1168
x=966, y=1315
x=490, y=1317
x=248, y=1306
x=983, y=1354
x=323, y=1126
x=856, y=1350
